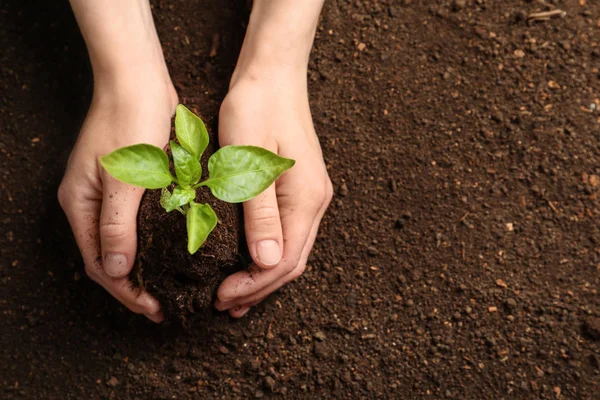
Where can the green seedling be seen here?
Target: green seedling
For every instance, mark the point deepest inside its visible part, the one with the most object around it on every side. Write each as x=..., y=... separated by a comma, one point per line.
x=235, y=173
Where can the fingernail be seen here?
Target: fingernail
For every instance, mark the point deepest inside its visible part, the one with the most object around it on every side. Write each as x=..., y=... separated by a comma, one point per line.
x=268, y=252
x=240, y=311
x=223, y=305
x=156, y=318
x=115, y=264
x=151, y=305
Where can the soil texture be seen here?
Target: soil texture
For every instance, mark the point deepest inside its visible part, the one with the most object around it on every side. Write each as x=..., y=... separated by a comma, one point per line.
x=186, y=284
x=460, y=258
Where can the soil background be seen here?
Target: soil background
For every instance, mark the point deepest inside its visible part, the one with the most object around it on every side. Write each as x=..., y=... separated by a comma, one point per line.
x=459, y=259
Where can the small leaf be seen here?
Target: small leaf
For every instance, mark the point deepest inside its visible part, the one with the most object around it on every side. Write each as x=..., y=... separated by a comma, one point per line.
x=187, y=167
x=165, y=195
x=141, y=165
x=190, y=131
x=201, y=220
x=239, y=173
x=179, y=197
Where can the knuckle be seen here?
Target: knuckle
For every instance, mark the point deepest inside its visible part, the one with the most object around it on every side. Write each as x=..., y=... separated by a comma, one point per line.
x=227, y=106
x=328, y=192
x=264, y=217
x=297, y=272
x=290, y=268
x=113, y=230
x=91, y=271
x=319, y=197
x=63, y=195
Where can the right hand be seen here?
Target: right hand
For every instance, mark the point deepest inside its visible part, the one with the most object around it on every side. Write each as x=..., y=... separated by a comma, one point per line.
x=102, y=211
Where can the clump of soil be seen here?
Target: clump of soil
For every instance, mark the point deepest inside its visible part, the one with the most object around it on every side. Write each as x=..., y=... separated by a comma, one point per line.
x=183, y=283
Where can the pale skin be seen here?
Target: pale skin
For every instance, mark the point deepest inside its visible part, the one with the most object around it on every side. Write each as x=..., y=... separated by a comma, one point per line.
x=134, y=101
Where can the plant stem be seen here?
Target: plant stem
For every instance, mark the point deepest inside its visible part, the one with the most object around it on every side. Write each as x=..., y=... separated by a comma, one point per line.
x=196, y=186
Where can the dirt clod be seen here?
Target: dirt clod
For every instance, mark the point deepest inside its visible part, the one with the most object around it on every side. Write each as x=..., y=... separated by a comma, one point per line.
x=510, y=303
x=270, y=383
x=113, y=381
x=591, y=327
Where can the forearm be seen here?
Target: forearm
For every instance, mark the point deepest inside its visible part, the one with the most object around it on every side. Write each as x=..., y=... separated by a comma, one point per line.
x=121, y=39
x=279, y=38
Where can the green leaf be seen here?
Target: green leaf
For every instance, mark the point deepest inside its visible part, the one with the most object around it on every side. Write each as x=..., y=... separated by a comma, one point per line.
x=140, y=165
x=165, y=196
x=187, y=167
x=179, y=197
x=201, y=220
x=190, y=131
x=239, y=173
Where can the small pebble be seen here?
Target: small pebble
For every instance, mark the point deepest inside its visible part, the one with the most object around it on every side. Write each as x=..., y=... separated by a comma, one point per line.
x=321, y=350
x=351, y=299
x=270, y=383
x=458, y=5
x=372, y=251
x=113, y=381
x=344, y=190
x=510, y=303
x=591, y=327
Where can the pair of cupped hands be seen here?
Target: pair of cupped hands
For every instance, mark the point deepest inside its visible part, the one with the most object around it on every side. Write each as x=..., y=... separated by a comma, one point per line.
x=281, y=224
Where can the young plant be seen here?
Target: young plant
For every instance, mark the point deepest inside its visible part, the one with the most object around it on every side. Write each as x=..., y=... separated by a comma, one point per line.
x=235, y=173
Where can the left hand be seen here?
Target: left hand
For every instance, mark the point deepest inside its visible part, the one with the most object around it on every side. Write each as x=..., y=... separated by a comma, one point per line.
x=281, y=224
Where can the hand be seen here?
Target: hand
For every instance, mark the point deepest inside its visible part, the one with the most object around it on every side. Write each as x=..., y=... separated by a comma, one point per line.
x=101, y=210
x=281, y=224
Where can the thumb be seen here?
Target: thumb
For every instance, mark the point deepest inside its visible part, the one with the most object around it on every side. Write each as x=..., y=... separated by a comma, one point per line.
x=118, y=226
x=263, y=229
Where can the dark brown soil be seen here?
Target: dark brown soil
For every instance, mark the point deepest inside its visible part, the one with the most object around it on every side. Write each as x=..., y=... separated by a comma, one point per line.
x=186, y=284
x=183, y=283
x=459, y=259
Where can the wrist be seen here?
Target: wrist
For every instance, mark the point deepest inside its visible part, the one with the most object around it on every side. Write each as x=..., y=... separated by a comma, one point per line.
x=148, y=86
x=123, y=45
x=124, y=62
x=256, y=68
x=278, y=41
x=267, y=58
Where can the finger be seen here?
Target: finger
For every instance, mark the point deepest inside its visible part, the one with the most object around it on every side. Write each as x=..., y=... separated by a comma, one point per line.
x=239, y=311
x=118, y=222
x=82, y=209
x=244, y=283
x=156, y=318
x=263, y=229
x=83, y=215
x=255, y=298
x=140, y=302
